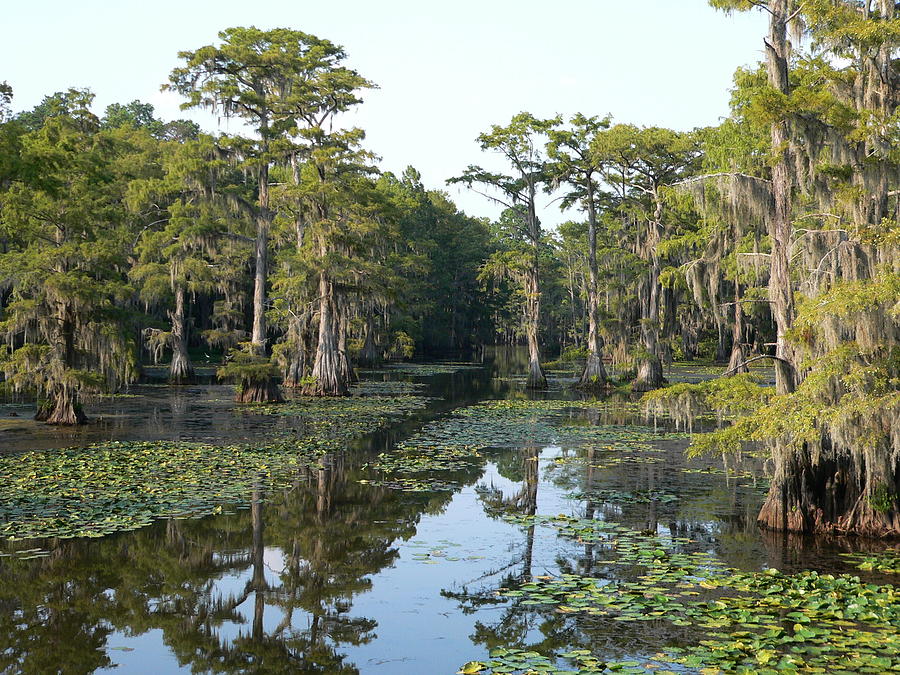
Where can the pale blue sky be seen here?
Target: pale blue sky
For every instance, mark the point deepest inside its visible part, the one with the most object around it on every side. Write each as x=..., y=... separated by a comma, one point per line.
x=447, y=70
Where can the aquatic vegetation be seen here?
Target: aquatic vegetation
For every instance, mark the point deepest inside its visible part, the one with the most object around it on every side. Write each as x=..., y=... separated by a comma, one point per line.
x=626, y=497
x=760, y=622
x=512, y=661
x=888, y=561
x=442, y=551
x=344, y=417
x=459, y=442
x=116, y=486
x=425, y=369
x=386, y=388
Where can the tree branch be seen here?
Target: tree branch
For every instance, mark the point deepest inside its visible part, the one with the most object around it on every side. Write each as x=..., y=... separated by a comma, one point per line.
x=755, y=358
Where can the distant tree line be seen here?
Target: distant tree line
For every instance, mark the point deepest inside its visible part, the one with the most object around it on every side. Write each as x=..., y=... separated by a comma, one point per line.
x=772, y=235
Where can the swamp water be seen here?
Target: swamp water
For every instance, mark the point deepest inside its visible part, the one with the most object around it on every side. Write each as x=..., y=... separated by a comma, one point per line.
x=440, y=520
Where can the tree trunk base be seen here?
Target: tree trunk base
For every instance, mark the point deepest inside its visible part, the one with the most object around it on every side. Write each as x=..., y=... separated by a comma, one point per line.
x=260, y=391
x=820, y=493
x=649, y=376
x=64, y=411
x=331, y=375
x=333, y=389
x=293, y=375
x=536, y=378
x=593, y=377
x=182, y=373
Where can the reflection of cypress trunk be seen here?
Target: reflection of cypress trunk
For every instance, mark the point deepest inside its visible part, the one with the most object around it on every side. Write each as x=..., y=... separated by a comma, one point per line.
x=329, y=372
x=594, y=374
x=737, y=362
x=62, y=407
x=528, y=505
x=536, y=379
x=258, y=581
x=181, y=370
x=589, y=510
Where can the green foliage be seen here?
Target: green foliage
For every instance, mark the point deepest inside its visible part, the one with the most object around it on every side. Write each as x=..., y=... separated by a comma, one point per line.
x=728, y=397
x=66, y=235
x=402, y=346
x=243, y=366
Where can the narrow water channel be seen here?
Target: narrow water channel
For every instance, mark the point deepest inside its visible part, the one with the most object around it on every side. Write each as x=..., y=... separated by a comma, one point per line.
x=344, y=574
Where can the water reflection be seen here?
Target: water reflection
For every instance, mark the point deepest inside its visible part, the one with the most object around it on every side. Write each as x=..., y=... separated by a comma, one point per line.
x=324, y=577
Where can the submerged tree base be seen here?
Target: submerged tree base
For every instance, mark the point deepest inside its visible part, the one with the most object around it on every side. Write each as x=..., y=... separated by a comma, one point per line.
x=182, y=374
x=649, y=376
x=594, y=377
x=260, y=391
x=63, y=411
x=821, y=493
x=536, y=378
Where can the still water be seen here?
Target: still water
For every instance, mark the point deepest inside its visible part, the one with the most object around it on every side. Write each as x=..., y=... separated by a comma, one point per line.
x=338, y=576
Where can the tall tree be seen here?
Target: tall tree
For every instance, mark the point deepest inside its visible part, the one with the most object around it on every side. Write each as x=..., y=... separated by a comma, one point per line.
x=641, y=164
x=66, y=232
x=186, y=219
x=573, y=163
x=778, y=55
x=519, y=143
x=339, y=213
x=280, y=82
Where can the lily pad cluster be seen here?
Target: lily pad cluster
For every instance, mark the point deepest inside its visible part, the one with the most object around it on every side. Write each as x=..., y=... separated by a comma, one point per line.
x=626, y=496
x=513, y=661
x=744, y=622
x=425, y=369
x=459, y=442
x=116, y=486
x=387, y=388
x=346, y=417
x=887, y=561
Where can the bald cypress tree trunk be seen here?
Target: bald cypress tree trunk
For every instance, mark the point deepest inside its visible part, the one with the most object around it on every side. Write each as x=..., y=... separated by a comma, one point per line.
x=781, y=293
x=738, y=352
x=786, y=505
x=369, y=354
x=536, y=378
x=62, y=407
x=262, y=389
x=295, y=369
x=649, y=365
x=347, y=372
x=181, y=369
x=593, y=376
x=825, y=486
x=329, y=374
